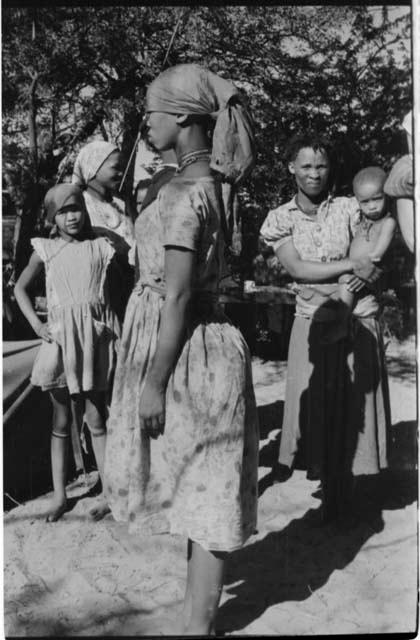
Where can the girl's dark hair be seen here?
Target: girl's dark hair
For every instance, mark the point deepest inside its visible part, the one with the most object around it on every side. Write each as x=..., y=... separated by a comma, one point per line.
x=311, y=140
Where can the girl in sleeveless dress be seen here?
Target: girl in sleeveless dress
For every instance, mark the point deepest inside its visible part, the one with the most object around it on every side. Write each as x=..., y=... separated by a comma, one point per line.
x=182, y=454
x=77, y=356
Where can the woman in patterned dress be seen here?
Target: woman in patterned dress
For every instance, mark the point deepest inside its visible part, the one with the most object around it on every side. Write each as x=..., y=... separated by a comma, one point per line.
x=184, y=371
x=335, y=411
x=77, y=356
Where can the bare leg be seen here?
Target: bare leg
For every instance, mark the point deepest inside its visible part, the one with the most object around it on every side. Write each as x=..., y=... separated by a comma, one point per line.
x=59, y=451
x=204, y=588
x=185, y=615
x=95, y=418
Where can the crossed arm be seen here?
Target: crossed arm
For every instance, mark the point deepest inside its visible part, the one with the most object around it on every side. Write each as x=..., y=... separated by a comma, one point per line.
x=312, y=271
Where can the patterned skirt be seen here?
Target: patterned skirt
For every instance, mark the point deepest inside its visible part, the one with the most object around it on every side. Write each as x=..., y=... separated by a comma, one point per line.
x=200, y=478
x=82, y=354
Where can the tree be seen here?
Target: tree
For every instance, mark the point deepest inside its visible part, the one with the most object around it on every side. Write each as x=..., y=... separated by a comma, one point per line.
x=342, y=70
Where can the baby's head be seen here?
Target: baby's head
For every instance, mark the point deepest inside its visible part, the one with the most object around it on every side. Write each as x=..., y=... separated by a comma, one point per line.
x=368, y=188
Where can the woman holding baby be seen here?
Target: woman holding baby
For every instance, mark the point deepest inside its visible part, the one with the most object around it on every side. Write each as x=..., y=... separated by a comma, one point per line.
x=336, y=407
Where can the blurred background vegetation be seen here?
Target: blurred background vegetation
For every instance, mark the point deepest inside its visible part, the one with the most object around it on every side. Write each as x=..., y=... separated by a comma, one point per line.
x=73, y=73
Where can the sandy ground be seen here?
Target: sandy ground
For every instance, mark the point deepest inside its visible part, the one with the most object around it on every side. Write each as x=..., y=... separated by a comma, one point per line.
x=293, y=577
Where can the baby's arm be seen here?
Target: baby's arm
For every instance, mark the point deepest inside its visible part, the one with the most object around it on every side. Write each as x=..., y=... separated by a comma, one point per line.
x=21, y=291
x=384, y=240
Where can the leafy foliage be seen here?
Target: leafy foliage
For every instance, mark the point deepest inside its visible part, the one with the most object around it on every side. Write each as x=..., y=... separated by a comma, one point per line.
x=342, y=70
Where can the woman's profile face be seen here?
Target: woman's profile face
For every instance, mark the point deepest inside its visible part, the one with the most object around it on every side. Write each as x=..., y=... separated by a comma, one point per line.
x=311, y=170
x=110, y=172
x=161, y=130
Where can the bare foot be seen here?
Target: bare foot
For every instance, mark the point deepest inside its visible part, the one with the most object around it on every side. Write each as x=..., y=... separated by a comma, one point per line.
x=58, y=509
x=100, y=509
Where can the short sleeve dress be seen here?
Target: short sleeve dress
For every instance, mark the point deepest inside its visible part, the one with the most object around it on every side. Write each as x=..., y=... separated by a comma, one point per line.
x=83, y=326
x=200, y=477
x=108, y=220
x=336, y=414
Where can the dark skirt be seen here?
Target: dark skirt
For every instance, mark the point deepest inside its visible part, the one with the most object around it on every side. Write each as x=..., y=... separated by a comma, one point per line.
x=336, y=417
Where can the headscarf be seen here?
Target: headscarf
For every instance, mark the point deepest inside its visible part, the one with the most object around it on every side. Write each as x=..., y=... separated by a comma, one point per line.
x=60, y=196
x=90, y=159
x=194, y=90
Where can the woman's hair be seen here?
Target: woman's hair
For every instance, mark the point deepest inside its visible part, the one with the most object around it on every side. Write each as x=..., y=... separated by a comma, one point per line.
x=311, y=140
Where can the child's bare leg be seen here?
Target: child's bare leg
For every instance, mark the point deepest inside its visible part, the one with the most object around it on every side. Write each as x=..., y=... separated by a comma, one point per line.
x=344, y=299
x=95, y=418
x=204, y=588
x=59, y=451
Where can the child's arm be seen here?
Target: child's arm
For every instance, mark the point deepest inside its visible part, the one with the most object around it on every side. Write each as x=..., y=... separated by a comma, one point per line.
x=21, y=290
x=360, y=271
x=405, y=215
x=384, y=240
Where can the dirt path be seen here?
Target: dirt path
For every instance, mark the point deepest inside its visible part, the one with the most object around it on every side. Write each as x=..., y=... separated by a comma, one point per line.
x=80, y=578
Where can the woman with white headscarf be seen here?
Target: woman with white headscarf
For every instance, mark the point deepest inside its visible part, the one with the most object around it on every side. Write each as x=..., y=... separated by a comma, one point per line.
x=183, y=371
x=98, y=171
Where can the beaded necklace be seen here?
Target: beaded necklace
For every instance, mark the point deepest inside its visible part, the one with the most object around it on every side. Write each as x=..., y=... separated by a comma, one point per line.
x=193, y=156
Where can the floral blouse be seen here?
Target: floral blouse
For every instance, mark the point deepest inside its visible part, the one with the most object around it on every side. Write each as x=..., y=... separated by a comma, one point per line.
x=321, y=238
x=186, y=214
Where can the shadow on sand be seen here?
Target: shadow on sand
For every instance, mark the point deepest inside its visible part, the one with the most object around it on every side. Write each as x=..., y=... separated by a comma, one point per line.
x=291, y=564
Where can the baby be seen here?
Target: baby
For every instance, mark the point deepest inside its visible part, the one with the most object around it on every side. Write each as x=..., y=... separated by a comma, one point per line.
x=372, y=239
